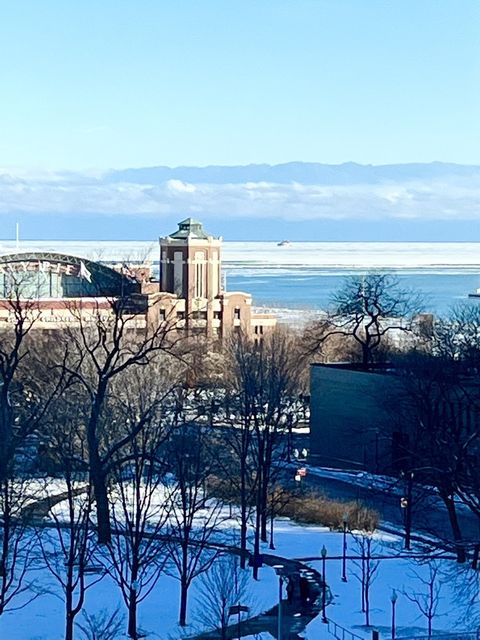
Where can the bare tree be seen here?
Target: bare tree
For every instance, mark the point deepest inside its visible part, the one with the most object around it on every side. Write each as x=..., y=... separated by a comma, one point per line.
x=435, y=416
x=16, y=544
x=224, y=586
x=68, y=545
x=194, y=520
x=138, y=504
x=367, y=309
x=266, y=379
x=428, y=599
x=27, y=388
x=456, y=337
x=101, y=626
x=24, y=398
x=106, y=345
x=368, y=569
x=68, y=548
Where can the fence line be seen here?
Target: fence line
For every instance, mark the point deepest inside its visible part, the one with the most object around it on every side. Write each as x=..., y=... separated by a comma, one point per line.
x=470, y=635
x=341, y=633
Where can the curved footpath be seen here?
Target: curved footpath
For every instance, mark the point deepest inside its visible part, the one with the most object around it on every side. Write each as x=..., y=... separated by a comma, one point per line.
x=297, y=609
x=296, y=612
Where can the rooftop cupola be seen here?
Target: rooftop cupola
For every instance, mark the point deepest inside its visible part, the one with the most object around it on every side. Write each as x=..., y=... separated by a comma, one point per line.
x=190, y=228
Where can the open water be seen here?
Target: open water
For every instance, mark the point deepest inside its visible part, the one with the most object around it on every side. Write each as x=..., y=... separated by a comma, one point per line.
x=304, y=275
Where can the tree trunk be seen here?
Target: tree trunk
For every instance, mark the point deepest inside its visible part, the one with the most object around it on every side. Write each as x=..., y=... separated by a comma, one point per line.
x=365, y=355
x=183, y=603
x=256, y=544
x=363, y=580
x=132, y=615
x=68, y=609
x=6, y=543
x=243, y=538
x=457, y=533
x=5, y=433
x=408, y=514
x=243, y=514
x=184, y=582
x=367, y=605
x=98, y=479
x=476, y=554
x=69, y=626
x=264, y=504
x=263, y=528
x=100, y=493
x=264, y=525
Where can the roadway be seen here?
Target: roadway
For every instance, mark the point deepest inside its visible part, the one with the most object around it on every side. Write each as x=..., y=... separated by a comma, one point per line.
x=429, y=516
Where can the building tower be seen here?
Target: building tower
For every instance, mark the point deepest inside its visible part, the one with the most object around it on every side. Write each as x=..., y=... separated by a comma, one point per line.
x=190, y=268
x=191, y=288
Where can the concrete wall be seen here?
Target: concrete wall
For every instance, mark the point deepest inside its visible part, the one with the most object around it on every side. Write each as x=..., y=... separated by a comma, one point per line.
x=350, y=421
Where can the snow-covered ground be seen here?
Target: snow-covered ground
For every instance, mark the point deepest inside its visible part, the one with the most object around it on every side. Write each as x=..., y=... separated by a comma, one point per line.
x=400, y=574
x=43, y=618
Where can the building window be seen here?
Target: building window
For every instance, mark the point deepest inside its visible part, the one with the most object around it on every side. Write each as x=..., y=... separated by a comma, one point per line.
x=217, y=315
x=181, y=315
x=199, y=274
x=236, y=313
x=178, y=273
x=162, y=314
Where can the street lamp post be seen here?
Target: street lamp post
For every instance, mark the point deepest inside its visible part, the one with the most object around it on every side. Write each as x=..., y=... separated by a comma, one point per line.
x=272, y=517
x=344, y=556
x=323, y=553
x=279, y=571
x=406, y=502
x=393, y=599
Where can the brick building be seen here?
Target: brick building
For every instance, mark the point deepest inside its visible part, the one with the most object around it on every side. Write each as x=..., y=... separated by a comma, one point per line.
x=60, y=289
x=191, y=275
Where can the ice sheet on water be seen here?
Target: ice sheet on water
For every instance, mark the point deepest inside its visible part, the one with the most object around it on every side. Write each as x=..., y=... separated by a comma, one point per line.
x=331, y=255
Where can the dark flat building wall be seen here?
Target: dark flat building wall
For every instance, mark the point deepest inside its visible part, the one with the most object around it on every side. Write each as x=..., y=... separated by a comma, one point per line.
x=351, y=418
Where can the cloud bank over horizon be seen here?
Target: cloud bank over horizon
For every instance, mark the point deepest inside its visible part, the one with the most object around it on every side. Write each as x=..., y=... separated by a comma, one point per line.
x=288, y=193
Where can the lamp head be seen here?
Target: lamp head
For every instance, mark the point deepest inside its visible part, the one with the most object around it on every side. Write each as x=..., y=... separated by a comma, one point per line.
x=323, y=552
x=394, y=596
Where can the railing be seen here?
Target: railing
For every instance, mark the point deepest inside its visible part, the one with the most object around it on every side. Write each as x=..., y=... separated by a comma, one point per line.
x=470, y=635
x=341, y=633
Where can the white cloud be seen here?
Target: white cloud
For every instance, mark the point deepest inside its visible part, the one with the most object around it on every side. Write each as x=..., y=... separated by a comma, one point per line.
x=180, y=187
x=67, y=193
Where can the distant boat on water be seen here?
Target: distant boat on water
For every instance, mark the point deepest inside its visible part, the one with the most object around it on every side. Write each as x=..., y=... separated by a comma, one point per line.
x=284, y=243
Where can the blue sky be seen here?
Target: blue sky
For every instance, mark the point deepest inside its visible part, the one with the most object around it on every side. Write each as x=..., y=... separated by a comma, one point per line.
x=117, y=83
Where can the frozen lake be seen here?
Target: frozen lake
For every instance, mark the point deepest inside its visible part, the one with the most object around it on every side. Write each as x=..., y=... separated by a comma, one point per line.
x=305, y=274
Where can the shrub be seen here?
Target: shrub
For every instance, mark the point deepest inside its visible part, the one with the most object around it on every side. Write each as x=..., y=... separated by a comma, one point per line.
x=315, y=508
x=309, y=508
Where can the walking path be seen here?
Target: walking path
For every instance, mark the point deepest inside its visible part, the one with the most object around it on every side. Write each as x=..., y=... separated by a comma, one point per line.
x=303, y=603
